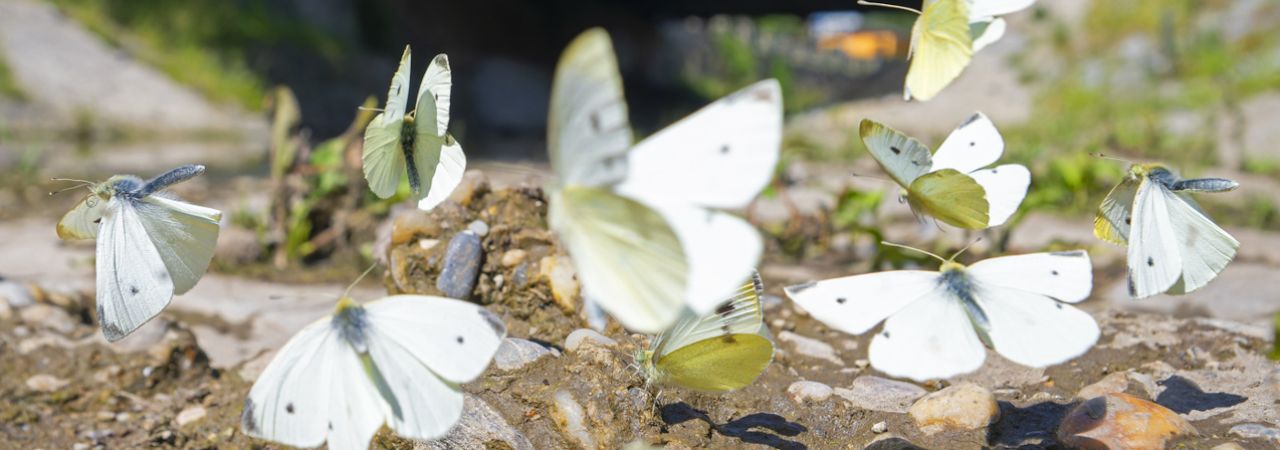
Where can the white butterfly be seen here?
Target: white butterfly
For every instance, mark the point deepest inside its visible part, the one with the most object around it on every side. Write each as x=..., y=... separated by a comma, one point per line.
x=952, y=184
x=416, y=143
x=150, y=246
x=939, y=322
x=397, y=361
x=637, y=220
x=1173, y=246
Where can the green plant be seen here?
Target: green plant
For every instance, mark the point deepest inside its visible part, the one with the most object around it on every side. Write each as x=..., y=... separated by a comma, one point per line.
x=9, y=86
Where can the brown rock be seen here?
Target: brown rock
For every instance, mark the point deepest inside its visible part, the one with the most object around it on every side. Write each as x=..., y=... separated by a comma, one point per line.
x=413, y=223
x=562, y=278
x=965, y=406
x=1120, y=421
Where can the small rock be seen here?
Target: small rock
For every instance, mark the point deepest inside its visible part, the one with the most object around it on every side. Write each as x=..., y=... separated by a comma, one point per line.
x=1228, y=446
x=427, y=243
x=1256, y=430
x=571, y=419
x=964, y=406
x=478, y=227
x=808, y=391
x=1112, y=383
x=250, y=370
x=6, y=311
x=880, y=427
x=461, y=266
x=513, y=257
x=811, y=347
x=586, y=336
x=480, y=427
x=881, y=394
x=237, y=245
x=80, y=446
x=562, y=278
x=411, y=223
x=1120, y=421
x=515, y=353
x=45, y=383
x=190, y=414
x=473, y=182
x=49, y=317
x=15, y=294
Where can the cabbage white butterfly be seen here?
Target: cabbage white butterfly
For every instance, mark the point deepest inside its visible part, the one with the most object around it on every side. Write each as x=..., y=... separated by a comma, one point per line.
x=1173, y=246
x=939, y=322
x=952, y=185
x=415, y=143
x=150, y=246
x=636, y=220
x=718, y=352
x=945, y=37
x=397, y=361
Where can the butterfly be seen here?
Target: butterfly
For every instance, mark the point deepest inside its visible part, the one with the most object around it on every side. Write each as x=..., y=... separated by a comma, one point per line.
x=416, y=143
x=945, y=37
x=396, y=361
x=721, y=351
x=936, y=324
x=952, y=185
x=1173, y=246
x=641, y=222
x=150, y=245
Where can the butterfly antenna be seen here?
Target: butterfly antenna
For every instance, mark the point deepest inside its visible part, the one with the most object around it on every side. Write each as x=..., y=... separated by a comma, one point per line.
x=361, y=277
x=887, y=5
x=873, y=177
x=366, y=108
x=908, y=247
x=79, y=184
x=957, y=253
x=1105, y=156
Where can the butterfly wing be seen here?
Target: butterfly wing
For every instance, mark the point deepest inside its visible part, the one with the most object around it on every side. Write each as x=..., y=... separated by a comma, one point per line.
x=952, y=197
x=290, y=401
x=1005, y=186
x=427, y=152
x=720, y=156
x=356, y=407
x=740, y=314
x=1205, y=247
x=857, y=303
x=940, y=48
x=398, y=93
x=1116, y=212
x=383, y=155
x=1063, y=276
x=82, y=221
x=438, y=84
x=975, y=144
x=133, y=284
x=184, y=234
x=1154, y=257
x=718, y=364
x=984, y=9
x=588, y=133
x=421, y=405
x=904, y=158
x=720, y=249
x=986, y=32
x=929, y=338
x=455, y=339
x=628, y=258
x=448, y=173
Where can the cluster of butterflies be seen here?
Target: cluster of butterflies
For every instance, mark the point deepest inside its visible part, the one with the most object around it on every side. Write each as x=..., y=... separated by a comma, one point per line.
x=656, y=249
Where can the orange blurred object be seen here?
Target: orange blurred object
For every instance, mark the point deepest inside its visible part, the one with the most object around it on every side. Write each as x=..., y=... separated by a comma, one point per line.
x=863, y=44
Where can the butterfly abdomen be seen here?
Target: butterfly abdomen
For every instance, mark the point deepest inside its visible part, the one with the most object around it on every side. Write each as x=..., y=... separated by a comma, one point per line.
x=1205, y=185
x=407, y=135
x=172, y=177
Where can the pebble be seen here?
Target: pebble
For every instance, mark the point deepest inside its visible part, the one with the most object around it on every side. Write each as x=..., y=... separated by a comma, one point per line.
x=571, y=419
x=190, y=414
x=15, y=294
x=45, y=383
x=478, y=227
x=473, y=182
x=1256, y=430
x=1112, y=383
x=964, y=406
x=563, y=280
x=808, y=391
x=1228, y=446
x=411, y=223
x=461, y=266
x=513, y=257
x=586, y=336
x=515, y=353
x=480, y=427
x=1118, y=421
x=237, y=245
x=881, y=394
x=811, y=347
x=880, y=427
x=47, y=316
x=6, y=311
x=80, y=446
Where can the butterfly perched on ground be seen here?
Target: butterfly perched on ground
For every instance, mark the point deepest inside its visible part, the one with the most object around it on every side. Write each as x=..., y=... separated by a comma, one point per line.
x=938, y=323
x=150, y=245
x=1173, y=246
x=945, y=37
x=398, y=142
x=721, y=351
x=396, y=361
x=639, y=222
x=952, y=185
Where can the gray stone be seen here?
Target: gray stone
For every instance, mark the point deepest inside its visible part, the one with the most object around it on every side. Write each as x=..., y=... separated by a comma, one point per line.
x=49, y=317
x=880, y=427
x=461, y=265
x=1256, y=430
x=587, y=336
x=515, y=353
x=478, y=227
x=237, y=245
x=572, y=420
x=15, y=293
x=45, y=383
x=190, y=414
x=811, y=347
x=881, y=394
x=808, y=391
x=964, y=406
x=479, y=426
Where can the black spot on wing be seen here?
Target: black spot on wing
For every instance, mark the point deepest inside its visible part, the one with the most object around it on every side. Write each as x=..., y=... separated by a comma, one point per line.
x=1057, y=305
x=289, y=408
x=724, y=309
x=885, y=334
x=971, y=143
x=1054, y=272
x=995, y=171
x=133, y=290
x=895, y=150
x=1128, y=220
x=460, y=339
x=724, y=149
x=1151, y=262
x=841, y=300
x=595, y=122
